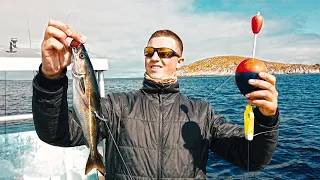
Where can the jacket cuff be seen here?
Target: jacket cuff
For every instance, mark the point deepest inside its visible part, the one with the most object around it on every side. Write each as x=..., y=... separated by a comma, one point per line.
x=51, y=84
x=268, y=121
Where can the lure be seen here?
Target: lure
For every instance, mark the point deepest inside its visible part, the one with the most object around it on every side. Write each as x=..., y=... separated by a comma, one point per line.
x=248, y=122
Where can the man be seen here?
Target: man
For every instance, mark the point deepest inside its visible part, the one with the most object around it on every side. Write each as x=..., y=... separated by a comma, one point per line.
x=160, y=133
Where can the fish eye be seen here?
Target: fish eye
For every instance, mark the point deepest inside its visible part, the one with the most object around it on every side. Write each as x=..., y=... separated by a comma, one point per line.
x=81, y=55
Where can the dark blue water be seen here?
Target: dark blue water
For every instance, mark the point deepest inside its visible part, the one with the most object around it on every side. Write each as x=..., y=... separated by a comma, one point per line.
x=298, y=152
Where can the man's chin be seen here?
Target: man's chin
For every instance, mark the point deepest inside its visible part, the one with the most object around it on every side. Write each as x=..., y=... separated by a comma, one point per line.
x=155, y=76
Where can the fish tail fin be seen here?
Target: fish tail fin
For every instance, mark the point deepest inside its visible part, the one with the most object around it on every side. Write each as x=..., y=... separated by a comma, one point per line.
x=95, y=161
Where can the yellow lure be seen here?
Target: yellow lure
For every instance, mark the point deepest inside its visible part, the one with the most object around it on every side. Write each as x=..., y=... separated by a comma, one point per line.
x=248, y=122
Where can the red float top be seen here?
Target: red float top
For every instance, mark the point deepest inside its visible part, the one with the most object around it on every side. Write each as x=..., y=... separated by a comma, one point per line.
x=251, y=65
x=256, y=23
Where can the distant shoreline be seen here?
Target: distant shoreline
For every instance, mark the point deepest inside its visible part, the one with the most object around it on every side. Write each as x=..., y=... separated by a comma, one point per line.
x=226, y=66
x=217, y=75
x=179, y=76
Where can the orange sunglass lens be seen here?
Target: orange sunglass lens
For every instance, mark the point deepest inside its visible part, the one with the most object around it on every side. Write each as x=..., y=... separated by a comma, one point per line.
x=165, y=53
x=148, y=51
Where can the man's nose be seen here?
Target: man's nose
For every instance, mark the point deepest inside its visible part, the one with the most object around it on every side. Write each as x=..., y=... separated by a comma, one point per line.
x=155, y=57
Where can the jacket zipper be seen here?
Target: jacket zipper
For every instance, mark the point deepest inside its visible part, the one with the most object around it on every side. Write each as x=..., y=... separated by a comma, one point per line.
x=160, y=135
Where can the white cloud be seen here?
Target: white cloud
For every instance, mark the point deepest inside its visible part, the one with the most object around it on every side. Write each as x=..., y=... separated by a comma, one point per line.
x=120, y=29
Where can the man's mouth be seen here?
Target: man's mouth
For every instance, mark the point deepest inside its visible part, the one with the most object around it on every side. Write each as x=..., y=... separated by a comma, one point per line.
x=155, y=67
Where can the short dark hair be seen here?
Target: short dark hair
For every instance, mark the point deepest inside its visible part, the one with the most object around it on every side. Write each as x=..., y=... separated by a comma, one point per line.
x=168, y=33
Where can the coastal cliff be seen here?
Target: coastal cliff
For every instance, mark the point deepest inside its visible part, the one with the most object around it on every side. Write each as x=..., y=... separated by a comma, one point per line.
x=226, y=65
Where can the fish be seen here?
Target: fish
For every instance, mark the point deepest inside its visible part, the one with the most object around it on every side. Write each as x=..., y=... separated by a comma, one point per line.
x=86, y=103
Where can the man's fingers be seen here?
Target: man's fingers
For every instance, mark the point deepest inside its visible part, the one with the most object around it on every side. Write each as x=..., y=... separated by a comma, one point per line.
x=261, y=103
x=53, y=43
x=261, y=94
x=267, y=98
x=60, y=25
x=56, y=33
x=69, y=32
x=267, y=108
x=77, y=36
x=268, y=77
x=66, y=59
x=53, y=64
x=263, y=85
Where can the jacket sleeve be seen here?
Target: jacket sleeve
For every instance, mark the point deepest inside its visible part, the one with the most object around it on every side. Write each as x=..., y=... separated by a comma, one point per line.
x=228, y=141
x=55, y=123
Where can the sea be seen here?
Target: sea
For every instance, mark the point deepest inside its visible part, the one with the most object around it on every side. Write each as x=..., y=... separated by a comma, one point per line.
x=298, y=151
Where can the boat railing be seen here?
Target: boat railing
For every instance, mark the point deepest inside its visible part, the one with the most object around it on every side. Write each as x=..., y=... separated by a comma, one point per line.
x=24, y=156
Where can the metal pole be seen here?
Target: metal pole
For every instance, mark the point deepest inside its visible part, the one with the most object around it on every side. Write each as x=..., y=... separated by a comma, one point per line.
x=101, y=83
x=102, y=94
x=5, y=93
x=16, y=117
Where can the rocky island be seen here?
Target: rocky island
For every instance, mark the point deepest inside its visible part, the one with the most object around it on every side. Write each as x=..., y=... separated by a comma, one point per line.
x=226, y=66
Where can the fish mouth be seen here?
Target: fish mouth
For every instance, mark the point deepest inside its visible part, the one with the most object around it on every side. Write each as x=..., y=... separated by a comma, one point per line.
x=75, y=50
x=75, y=71
x=78, y=75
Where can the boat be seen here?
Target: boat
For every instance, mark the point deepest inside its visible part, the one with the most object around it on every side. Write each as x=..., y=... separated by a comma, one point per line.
x=24, y=155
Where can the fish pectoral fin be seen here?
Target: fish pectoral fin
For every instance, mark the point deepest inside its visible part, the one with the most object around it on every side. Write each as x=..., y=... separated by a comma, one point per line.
x=81, y=85
x=95, y=161
x=96, y=114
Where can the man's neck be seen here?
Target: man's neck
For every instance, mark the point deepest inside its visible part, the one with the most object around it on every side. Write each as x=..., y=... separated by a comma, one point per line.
x=162, y=81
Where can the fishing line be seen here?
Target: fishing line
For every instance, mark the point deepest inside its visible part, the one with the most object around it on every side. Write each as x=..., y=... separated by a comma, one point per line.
x=275, y=130
x=66, y=21
x=114, y=141
x=5, y=93
x=29, y=33
x=70, y=15
x=205, y=98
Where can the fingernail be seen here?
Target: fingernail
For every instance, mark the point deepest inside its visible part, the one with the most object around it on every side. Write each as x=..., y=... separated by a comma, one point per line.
x=69, y=32
x=68, y=41
x=252, y=81
x=83, y=39
x=248, y=95
x=262, y=74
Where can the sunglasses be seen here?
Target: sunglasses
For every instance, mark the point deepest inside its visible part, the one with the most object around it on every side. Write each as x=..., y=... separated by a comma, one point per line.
x=162, y=52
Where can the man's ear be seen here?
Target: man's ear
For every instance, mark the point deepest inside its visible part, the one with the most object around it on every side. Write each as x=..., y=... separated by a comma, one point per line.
x=180, y=61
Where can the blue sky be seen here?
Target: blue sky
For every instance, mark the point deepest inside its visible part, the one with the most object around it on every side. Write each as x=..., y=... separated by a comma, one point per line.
x=119, y=29
x=304, y=13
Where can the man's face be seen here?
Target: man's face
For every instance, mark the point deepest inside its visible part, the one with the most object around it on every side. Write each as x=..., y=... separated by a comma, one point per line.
x=162, y=68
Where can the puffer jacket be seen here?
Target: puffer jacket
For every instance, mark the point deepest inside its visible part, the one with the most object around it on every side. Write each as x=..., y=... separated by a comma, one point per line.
x=161, y=134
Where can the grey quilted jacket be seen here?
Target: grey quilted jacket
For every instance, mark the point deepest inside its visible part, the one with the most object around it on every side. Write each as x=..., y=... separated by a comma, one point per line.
x=161, y=133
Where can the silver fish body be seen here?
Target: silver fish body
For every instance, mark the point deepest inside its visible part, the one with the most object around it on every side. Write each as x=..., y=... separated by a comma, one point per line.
x=86, y=102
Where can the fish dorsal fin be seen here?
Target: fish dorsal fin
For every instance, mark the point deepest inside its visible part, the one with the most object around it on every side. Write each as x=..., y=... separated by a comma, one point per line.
x=81, y=85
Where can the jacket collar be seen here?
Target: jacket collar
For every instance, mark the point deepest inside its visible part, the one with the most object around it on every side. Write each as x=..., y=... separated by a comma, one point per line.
x=153, y=87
